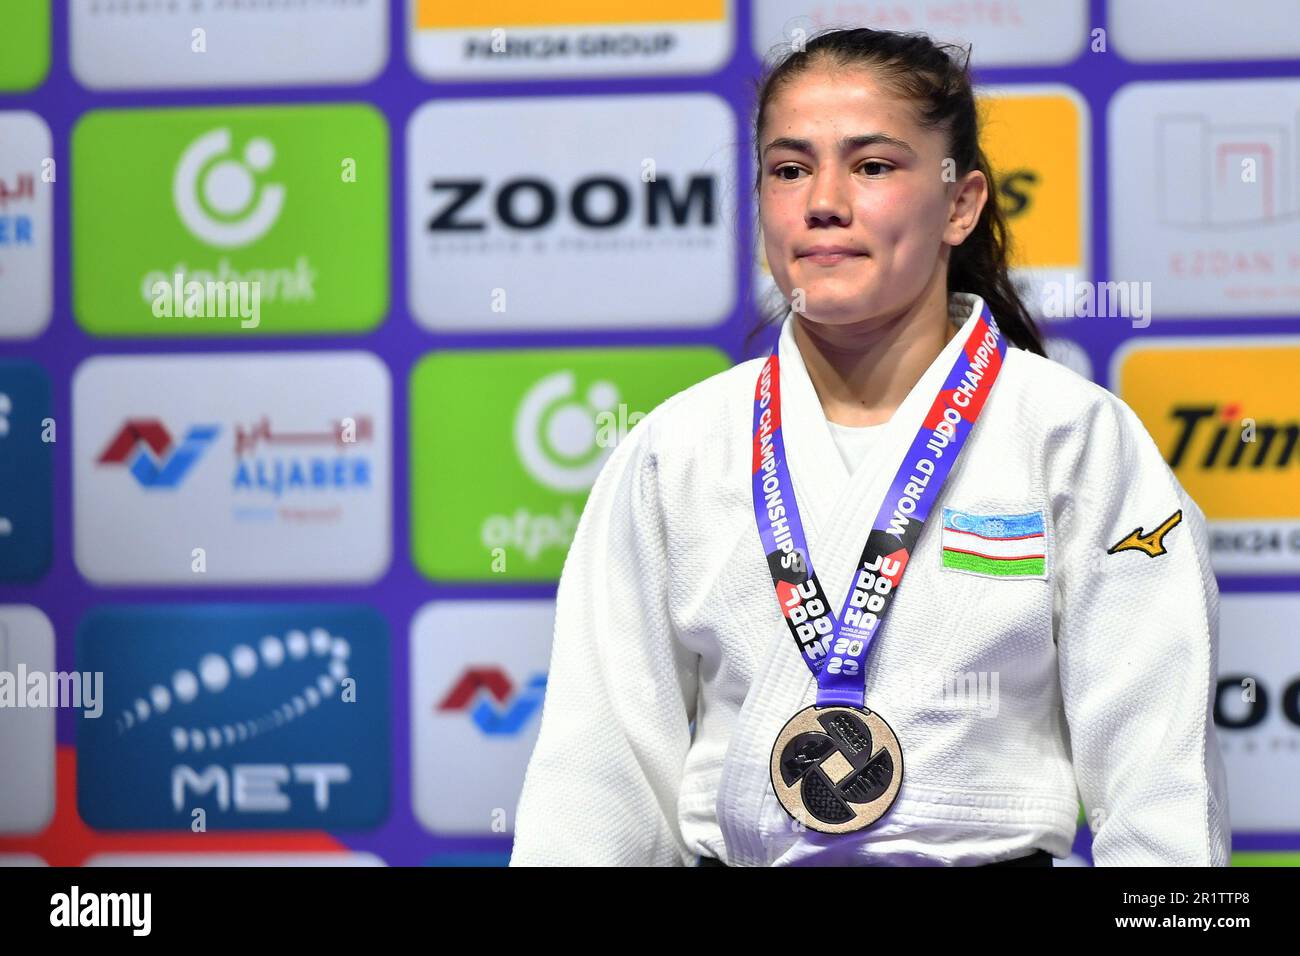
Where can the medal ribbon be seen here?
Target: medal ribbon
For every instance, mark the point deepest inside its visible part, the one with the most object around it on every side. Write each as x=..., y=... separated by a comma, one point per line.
x=835, y=648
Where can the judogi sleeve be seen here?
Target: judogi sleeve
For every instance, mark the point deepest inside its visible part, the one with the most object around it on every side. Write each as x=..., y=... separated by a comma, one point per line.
x=1137, y=641
x=601, y=787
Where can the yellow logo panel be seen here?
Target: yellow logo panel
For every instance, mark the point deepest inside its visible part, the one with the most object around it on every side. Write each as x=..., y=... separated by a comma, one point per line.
x=1226, y=419
x=439, y=14
x=1034, y=143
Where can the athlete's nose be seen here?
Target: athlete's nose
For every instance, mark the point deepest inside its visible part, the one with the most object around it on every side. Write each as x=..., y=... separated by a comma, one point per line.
x=828, y=200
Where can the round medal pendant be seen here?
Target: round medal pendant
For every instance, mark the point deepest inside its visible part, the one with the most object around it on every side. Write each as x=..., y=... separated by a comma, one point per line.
x=836, y=769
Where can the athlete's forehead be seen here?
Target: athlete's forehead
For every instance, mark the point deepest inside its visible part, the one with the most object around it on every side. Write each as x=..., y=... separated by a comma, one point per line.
x=841, y=108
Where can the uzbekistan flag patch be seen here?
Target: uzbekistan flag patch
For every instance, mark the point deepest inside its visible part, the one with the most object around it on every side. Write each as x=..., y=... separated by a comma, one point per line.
x=1000, y=546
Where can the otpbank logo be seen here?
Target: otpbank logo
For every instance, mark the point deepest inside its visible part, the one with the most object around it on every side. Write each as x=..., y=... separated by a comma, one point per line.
x=154, y=459
x=224, y=221
x=235, y=717
x=475, y=706
x=207, y=469
x=517, y=38
x=1223, y=413
x=490, y=698
x=532, y=432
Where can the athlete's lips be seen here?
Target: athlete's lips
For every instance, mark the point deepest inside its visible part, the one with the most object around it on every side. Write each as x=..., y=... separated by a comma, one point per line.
x=830, y=254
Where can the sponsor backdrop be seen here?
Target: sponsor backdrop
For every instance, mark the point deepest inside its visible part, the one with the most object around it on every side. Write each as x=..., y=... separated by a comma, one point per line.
x=318, y=321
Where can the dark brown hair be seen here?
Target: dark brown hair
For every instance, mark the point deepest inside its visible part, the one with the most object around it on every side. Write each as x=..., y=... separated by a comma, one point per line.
x=936, y=77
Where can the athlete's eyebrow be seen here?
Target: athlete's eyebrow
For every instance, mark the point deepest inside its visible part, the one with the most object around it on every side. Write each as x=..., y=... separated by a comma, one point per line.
x=847, y=144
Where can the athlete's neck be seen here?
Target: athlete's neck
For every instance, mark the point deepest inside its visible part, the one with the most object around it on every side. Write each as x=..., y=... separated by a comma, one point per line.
x=863, y=371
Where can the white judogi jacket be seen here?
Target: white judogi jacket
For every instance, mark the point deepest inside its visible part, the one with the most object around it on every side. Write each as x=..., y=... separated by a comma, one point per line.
x=666, y=621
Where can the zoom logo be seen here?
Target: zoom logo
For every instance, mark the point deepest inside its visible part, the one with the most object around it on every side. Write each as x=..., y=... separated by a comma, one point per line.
x=643, y=196
x=217, y=197
x=145, y=447
x=235, y=717
x=1244, y=701
x=597, y=202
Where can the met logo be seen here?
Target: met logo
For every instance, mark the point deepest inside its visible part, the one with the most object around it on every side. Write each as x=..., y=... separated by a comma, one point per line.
x=492, y=701
x=236, y=716
x=148, y=451
x=256, y=788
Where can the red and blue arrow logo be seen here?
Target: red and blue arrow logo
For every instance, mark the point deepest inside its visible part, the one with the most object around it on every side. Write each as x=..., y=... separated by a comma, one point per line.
x=147, y=449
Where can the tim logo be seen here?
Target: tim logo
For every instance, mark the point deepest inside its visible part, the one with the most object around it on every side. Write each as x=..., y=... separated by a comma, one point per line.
x=494, y=703
x=152, y=456
x=236, y=716
x=1212, y=438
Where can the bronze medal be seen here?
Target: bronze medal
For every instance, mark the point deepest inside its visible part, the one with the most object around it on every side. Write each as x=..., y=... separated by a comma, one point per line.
x=836, y=769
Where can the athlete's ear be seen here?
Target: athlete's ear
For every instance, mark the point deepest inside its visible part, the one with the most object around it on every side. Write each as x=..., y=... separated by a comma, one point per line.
x=967, y=199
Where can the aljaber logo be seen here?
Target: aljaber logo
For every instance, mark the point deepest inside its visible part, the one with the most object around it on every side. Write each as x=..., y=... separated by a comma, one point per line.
x=145, y=446
x=492, y=701
x=236, y=716
x=337, y=458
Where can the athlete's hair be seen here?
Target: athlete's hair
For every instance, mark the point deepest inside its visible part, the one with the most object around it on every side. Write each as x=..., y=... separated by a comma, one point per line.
x=936, y=77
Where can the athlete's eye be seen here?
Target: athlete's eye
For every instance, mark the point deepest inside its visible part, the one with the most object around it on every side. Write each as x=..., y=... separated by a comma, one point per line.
x=875, y=167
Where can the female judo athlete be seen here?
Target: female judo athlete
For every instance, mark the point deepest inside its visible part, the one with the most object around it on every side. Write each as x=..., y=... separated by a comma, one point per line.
x=903, y=592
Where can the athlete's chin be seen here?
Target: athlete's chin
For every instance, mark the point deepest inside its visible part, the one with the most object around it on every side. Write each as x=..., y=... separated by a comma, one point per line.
x=839, y=308
x=848, y=276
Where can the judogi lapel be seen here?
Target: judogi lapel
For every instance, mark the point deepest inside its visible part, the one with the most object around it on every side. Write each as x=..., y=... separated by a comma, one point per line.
x=837, y=509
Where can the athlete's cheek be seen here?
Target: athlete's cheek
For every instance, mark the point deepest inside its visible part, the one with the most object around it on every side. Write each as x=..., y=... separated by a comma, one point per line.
x=887, y=214
x=779, y=226
x=915, y=219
